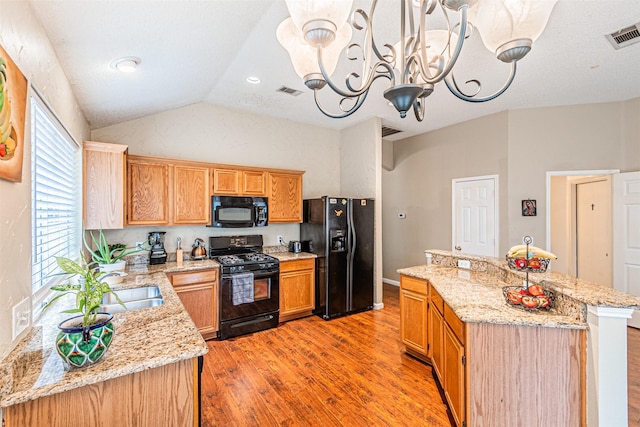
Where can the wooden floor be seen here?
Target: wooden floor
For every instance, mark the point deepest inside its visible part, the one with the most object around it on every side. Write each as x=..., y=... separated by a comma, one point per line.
x=350, y=371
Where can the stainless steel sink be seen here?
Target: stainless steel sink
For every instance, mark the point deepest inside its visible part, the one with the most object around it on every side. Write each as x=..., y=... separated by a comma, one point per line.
x=133, y=299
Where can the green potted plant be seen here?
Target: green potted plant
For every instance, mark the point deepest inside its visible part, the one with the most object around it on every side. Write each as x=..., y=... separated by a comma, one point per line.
x=83, y=339
x=108, y=257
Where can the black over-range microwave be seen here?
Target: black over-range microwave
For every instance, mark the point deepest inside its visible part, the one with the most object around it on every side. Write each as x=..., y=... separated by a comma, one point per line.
x=238, y=212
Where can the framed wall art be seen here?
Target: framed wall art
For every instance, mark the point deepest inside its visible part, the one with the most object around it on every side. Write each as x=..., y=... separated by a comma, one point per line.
x=529, y=208
x=13, y=107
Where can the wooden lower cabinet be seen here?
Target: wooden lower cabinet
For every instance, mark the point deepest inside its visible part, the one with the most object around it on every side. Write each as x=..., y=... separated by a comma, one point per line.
x=414, y=320
x=453, y=375
x=164, y=396
x=297, y=289
x=436, y=337
x=198, y=291
x=494, y=374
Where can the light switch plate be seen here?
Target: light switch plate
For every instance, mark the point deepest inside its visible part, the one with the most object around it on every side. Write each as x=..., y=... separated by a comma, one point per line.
x=464, y=263
x=21, y=317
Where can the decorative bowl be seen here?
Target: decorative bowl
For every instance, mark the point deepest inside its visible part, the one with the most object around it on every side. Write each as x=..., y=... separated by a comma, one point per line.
x=534, y=265
x=513, y=296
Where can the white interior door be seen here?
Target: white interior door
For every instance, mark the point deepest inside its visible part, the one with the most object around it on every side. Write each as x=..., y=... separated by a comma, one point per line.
x=626, y=236
x=593, y=231
x=475, y=216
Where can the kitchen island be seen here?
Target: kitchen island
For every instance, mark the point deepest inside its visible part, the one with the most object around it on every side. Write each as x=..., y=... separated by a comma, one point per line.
x=147, y=377
x=500, y=365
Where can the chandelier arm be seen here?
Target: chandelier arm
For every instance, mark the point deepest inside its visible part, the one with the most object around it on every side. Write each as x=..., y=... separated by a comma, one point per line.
x=349, y=112
x=373, y=75
x=418, y=108
x=456, y=53
x=421, y=44
x=455, y=90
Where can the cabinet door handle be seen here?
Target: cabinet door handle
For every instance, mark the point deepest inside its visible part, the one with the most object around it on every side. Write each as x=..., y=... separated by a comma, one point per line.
x=458, y=248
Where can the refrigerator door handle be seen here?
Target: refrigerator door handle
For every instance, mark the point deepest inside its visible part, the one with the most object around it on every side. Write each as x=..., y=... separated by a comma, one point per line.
x=350, y=254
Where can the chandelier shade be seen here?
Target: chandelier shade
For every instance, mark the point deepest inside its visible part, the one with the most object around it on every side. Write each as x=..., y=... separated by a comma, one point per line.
x=318, y=31
x=319, y=19
x=503, y=22
x=304, y=57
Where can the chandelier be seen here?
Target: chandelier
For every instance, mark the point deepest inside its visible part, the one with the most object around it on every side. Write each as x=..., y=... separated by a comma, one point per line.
x=318, y=31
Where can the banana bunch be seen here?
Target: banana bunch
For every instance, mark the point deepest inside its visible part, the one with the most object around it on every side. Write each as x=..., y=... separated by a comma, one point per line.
x=7, y=143
x=520, y=251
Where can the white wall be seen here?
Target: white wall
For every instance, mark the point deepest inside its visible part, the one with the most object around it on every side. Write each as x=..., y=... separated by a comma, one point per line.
x=520, y=146
x=25, y=41
x=579, y=137
x=420, y=186
x=361, y=172
x=631, y=135
x=210, y=133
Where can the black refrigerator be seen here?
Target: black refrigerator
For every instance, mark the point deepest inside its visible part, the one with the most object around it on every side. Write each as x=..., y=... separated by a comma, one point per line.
x=342, y=231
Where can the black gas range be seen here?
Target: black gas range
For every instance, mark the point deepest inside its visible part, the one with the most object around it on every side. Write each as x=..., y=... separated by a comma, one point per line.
x=249, y=285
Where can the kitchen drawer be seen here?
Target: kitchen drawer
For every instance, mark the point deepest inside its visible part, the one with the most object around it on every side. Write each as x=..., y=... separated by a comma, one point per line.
x=412, y=284
x=456, y=325
x=299, y=264
x=193, y=277
x=437, y=300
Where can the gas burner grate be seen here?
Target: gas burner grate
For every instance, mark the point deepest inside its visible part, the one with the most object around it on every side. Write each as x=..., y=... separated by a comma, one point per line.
x=258, y=257
x=230, y=259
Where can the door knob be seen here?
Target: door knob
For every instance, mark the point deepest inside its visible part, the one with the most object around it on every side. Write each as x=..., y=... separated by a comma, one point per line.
x=458, y=248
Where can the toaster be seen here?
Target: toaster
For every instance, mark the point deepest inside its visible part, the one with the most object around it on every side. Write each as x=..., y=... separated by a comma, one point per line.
x=295, y=246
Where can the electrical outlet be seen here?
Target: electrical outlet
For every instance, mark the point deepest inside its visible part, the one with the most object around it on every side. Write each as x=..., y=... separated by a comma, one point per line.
x=21, y=317
x=280, y=240
x=139, y=245
x=464, y=263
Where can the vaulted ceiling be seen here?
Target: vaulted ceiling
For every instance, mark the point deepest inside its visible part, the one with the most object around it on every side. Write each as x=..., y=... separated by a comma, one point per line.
x=203, y=51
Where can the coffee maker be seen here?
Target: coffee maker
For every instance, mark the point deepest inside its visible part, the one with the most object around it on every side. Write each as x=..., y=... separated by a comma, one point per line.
x=157, y=255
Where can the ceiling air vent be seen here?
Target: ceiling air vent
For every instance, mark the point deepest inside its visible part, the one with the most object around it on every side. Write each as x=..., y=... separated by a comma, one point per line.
x=625, y=37
x=387, y=131
x=289, y=91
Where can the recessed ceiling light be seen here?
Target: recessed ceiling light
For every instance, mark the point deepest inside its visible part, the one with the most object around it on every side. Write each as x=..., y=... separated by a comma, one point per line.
x=253, y=80
x=128, y=64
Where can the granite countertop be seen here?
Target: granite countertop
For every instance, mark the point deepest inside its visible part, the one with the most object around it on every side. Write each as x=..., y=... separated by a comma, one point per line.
x=475, y=295
x=144, y=339
x=290, y=256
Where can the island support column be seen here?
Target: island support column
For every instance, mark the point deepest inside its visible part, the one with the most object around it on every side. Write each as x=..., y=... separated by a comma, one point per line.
x=607, y=403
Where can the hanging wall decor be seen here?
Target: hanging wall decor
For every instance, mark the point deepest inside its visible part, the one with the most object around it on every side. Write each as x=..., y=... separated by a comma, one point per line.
x=529, y=208
x=13, y=103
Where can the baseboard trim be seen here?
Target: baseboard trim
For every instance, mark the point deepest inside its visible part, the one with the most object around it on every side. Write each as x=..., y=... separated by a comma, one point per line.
x=391, y=282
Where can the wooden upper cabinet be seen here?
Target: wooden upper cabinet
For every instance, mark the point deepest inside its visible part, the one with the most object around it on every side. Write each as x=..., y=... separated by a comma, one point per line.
x=226, y=182
x=148, y=195
x=285, y=197
x=104, y=185
x=191, y=195
x=237, y=182
x=254, y=183
x=164, y=191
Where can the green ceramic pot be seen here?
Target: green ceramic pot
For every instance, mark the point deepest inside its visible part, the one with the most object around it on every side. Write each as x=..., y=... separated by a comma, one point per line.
x=82, y=346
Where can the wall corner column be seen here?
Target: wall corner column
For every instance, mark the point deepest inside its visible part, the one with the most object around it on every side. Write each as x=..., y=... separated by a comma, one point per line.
x=607, y=400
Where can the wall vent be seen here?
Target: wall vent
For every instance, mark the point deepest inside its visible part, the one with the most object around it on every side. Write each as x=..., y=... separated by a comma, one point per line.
x=625, y=37
x=388, y=131
x=289, y=91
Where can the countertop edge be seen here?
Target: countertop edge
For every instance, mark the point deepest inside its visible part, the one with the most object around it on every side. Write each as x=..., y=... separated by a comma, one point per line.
x=473, y=300
x=23, y=370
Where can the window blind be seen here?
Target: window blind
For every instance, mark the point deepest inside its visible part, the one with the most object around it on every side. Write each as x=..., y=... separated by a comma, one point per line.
x=55, y=194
